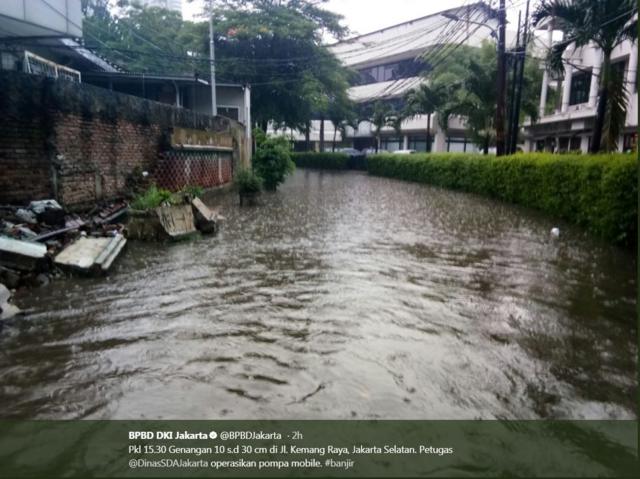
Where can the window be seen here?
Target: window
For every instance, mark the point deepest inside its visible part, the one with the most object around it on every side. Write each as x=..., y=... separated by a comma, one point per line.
x=390, y=144
x=630, y=142
x=580, y=86
x=419, y=143
x=460, y=145
x=229, y=112
x=576, y=143
x=390, y=71
x=563, y=147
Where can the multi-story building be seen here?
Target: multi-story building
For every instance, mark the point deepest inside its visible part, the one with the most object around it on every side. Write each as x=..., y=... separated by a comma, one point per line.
x=390, y=63
x=566, y=121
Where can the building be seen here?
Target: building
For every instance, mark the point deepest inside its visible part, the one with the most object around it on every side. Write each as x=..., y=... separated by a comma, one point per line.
x=233, y=100
x=390, y=62
x=39, y=37
x=566, y=124
x=175, y=5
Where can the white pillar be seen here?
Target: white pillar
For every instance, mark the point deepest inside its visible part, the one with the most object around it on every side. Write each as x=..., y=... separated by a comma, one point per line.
x=566, y=87
x=545, y=76
x=632, y=70
x=439, y=142
x=405, y=142
x=543, y=94
x=247, y=126
x=595, y=79
x=584, y=143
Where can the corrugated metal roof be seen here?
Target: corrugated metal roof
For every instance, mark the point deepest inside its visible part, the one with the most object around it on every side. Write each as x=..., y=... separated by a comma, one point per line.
x=383, y=90
x=410, y=39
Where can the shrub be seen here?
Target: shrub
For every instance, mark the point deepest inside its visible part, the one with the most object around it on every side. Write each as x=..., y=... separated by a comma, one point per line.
x=598, y=192
x=247, y=182
x=192, y=191
x=152, y=198
x=272, y=160
x=325, y=161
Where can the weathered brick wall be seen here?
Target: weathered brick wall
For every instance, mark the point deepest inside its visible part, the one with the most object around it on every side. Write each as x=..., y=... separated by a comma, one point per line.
x=79, y=143
x=94, y=157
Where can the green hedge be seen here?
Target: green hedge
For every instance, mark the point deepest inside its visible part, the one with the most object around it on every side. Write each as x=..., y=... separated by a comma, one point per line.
x=325, y=161
x=598, y=192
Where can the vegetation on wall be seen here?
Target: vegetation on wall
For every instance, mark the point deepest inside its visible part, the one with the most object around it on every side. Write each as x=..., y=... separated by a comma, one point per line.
x=598, y=192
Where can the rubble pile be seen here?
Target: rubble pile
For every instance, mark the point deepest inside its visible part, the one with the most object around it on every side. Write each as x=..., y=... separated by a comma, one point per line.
x=33, y=237
x=42, y=241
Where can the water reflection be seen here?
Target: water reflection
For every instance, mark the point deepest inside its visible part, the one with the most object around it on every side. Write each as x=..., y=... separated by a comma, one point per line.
x=343, y=296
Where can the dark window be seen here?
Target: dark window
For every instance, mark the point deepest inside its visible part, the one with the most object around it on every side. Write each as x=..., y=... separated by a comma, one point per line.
x=540, y=144
x=575, y=143
x=580, y=86
x=456, y=145
x=390, y=71
x=390, y=144
x=563, y=147
x=630, y=142
x=419, y=143
x=229, y=112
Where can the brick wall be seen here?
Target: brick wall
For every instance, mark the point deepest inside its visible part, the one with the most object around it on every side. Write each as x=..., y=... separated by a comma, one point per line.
x=79, y=143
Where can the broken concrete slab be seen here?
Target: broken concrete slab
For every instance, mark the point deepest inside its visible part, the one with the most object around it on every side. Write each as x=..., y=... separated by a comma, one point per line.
x=26, y=216
x=177, y=220
x=5, y=294
x=206, y=219
x=7, y=310
x=91, y=255
x=23, y=255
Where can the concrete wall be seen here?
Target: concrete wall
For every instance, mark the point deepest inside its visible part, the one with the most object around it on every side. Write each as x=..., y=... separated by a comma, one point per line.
x=79, y=143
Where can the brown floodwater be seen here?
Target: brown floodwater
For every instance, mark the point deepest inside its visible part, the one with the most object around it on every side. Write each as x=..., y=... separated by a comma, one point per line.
x=342, y=296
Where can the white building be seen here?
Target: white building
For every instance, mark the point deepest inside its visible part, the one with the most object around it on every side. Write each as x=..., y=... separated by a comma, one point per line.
x=389, y=62
x=568, y=125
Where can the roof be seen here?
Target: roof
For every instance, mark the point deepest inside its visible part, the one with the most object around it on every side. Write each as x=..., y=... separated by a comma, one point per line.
x=88, y=55
x=383, y=90
x=124, y=76
x=410, y=39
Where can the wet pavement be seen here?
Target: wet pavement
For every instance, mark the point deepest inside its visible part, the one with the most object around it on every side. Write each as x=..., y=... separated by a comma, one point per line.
x=342, y=296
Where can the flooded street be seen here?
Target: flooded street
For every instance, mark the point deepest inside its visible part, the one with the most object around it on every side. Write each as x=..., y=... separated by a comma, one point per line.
x=343, y=296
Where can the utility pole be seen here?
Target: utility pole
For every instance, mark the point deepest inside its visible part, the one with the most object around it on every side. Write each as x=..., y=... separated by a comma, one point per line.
x=212, y=60
x=512, y=104
x=502, y=80
x=522, y=58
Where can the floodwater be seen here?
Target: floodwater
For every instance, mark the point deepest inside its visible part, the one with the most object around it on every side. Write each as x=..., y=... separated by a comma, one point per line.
x=342, y=296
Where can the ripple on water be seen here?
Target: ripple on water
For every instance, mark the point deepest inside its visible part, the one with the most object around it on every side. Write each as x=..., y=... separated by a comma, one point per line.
x=343, y=296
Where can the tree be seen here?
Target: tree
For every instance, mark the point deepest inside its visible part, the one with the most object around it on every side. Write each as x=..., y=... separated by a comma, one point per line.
x=464, y=85
x=150, y=40
x=383, y=115
x=606, y=23
x=272, y=160
x=426, y=100
x=275, y=46
x=341, y=113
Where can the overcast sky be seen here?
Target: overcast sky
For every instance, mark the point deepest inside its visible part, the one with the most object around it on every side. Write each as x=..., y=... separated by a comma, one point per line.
x=364, y=16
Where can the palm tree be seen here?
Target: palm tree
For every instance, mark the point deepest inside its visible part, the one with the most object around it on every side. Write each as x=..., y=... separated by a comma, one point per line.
x=425, y=100
x=606, y=23
x=384, y=115
x=341, y=114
